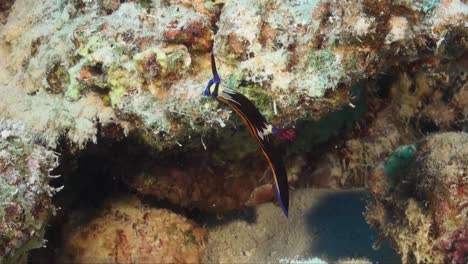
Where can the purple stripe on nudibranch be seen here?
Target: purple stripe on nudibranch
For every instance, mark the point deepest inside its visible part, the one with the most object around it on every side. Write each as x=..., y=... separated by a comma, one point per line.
x=283, y=207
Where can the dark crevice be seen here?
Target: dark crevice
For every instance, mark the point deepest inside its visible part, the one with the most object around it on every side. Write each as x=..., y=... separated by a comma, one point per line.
x=90, y=177
x=99, y=173
x=5, y=8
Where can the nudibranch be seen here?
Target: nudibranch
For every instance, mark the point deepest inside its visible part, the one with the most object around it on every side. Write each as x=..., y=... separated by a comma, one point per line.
x=260, y=129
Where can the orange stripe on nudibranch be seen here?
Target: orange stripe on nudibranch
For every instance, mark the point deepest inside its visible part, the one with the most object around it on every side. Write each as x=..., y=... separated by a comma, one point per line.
x=244, y=118
x=253, y=132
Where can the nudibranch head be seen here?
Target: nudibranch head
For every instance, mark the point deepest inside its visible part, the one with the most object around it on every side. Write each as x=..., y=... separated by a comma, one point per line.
x=212, y=87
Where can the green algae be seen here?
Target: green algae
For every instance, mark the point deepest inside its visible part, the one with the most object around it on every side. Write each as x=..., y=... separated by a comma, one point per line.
x=399, y=159
x=321, y=60
x=261, y=98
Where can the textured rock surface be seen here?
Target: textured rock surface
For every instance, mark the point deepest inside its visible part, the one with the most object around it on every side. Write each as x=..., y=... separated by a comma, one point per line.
x=5, y=7
x=126, y=231
x=350, y=162
x=25, y=196
x=88, y=63
x=425, y=98
x=419, y=199
x=77, y=71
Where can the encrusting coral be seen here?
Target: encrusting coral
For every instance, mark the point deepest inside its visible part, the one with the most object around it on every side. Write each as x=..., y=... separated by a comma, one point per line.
x=349, y=162
x=142, y=66
x=419, y=199
x=147, y=62
x=422, y=98
x=126, y=231
x=25, y=196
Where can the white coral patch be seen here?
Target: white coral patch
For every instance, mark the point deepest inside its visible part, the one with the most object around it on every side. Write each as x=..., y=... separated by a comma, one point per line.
x=243, y=19
x=362, y=26
x=265, y=66
x=453, y=12
x=399, y=29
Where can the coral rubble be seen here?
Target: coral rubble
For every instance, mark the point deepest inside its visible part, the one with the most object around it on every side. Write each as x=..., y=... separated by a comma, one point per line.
x=419, y=199
x=126, y=231
x=25, y=195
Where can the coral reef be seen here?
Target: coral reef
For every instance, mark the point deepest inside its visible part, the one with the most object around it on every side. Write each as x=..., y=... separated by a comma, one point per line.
x=80, y=71
x=130, y=59
x=25, y=194
x=419, y=199
x=126, y=231
x=222, y=178
x=145, y=63
x=433, y=96
x=141, y=66
x=424, y=97
x=349, y=160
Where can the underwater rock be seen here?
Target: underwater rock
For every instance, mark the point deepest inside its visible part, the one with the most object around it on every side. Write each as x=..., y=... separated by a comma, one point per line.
x=350, y=162
x=433, y=95
x=219, y=179
x=294, y=59
x=419, y=199
x=195, y=35
x=81, y=70
x=25, y=195
x=126, y=231
x=210, y=187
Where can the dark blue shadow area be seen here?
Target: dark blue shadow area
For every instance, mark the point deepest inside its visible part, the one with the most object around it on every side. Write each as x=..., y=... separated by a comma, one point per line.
x=342, y=232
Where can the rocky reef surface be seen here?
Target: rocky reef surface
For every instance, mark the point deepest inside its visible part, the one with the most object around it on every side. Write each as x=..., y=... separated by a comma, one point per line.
x=357, y=79
x=126, y=231
x=142, y=65
x=25, y=194
x=419, y=200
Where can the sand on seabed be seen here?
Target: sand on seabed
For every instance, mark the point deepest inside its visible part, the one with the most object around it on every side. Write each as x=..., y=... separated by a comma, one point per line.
x=326, y=224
